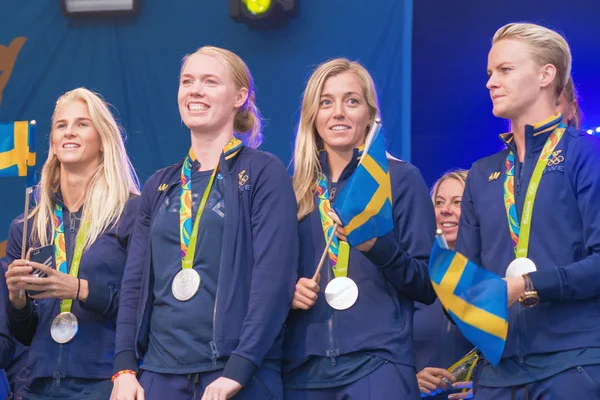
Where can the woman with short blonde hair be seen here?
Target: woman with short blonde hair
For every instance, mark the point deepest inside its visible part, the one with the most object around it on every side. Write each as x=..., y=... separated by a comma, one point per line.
x=531, y=214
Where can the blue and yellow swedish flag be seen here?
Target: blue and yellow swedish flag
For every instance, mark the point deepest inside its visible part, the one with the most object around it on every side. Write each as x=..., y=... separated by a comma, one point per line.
x=17, y=150
x=475, y=298
x=365, y=203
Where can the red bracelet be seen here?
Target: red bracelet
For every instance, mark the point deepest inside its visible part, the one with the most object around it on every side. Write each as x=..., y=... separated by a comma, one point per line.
x=122, y=372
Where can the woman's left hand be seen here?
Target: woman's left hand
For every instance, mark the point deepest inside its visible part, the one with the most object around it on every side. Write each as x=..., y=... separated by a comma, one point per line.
x=221, y=389
x=462, y=385
x=341, y=234
x=515, y=287
x=56, y=285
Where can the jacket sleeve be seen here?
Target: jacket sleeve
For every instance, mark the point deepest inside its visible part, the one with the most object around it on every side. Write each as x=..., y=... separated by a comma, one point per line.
x=468, y=241
x=103, y=299
x=579, y=280
x=275, y=248
x=131, y=284
x=403, y=255
x=7, y=346
x=22, y=323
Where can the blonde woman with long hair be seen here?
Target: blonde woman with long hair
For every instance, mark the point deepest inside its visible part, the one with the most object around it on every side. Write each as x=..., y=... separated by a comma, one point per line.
x=531, y=213
x=211, y=271
x=86, y=206
x=362, y=349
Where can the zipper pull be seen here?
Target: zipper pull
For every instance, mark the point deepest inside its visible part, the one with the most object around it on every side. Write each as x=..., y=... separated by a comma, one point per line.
x=71, y=223
x=215, y=353
x=332, y=193
x=332, y=354
x=57, y=378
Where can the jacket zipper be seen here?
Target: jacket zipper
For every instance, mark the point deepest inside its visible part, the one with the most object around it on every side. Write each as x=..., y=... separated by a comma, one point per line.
x=58, y=375
x=213, y=345
x=332, y=353
x=527, y=161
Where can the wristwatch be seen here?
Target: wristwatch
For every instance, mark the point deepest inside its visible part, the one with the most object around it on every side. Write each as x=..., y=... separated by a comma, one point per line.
x=530, y=298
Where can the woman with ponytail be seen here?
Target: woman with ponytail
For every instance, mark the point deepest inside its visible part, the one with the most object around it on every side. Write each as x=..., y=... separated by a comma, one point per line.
x=211, y=273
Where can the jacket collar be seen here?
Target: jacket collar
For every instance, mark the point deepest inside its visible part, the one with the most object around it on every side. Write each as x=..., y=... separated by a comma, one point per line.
x=357, y=153
x=535, y=135
x=57, y=197
x=228, y=159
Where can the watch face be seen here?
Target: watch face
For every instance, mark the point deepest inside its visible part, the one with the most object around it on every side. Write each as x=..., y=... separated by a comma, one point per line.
x=530, y=301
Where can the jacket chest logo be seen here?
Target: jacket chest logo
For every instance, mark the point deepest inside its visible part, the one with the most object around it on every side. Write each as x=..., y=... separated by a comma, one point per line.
x=494, y=176
x=243, y=181
x=555, y=159
x=555, y=162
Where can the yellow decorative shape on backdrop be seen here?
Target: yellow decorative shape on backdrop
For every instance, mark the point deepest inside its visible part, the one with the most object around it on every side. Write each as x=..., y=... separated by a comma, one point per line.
x=8, y=56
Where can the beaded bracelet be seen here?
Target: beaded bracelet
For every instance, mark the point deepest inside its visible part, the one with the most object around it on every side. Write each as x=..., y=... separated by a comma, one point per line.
x=122, y=372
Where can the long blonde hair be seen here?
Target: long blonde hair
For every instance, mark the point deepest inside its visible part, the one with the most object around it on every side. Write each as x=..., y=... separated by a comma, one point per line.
x=547, y=47
x=248, y=120
x=307, y=169
x=113, y=182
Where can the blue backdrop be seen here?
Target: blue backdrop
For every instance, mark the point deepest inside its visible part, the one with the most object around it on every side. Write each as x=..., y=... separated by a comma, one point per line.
x=135, y=64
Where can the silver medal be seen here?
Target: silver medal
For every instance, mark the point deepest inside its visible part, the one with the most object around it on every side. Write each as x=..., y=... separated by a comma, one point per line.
x=520, y=267
x=64, y=327
x=341, y=293
x=186, y=284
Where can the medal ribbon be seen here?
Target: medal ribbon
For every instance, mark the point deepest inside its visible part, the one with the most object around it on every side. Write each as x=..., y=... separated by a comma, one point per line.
x=520, y=232
x=60, y=250
x=339, y=251
x=188, y=234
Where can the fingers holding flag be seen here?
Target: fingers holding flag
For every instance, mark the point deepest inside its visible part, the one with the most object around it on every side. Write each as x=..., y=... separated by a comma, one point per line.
x=306, y=293
x=341, y=234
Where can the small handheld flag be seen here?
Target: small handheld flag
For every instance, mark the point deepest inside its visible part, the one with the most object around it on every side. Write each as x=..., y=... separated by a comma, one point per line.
x=17, y=158
x=364, y=205
x=475, y=298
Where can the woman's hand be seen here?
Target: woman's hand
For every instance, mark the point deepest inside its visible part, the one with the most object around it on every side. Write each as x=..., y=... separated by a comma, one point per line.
x=430, y=380
x=306, y=292
x=341, y=234
x=515, y=287
x=127, y=387
x=56, y=285
x=221, y=389
x=16, y=271
x=462, y=385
